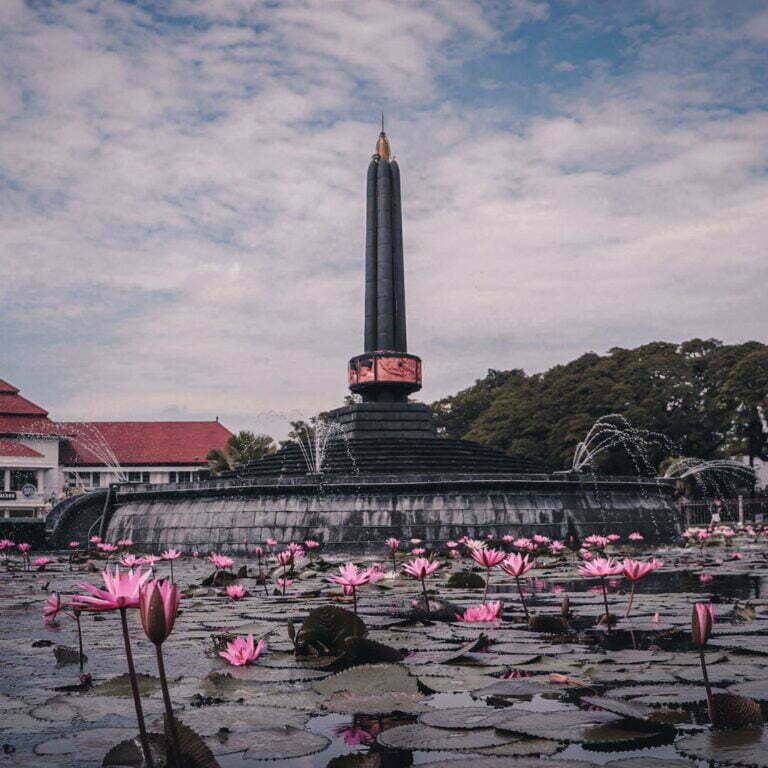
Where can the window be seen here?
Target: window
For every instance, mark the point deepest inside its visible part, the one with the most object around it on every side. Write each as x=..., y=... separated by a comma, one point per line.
x=22, y=477
x=138, y=477
x=179, y=477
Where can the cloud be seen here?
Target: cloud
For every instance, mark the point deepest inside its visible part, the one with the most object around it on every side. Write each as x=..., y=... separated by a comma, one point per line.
x=181, y=192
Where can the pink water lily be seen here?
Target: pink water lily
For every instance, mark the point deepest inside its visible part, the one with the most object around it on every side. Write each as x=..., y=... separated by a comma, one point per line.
x=130, y=560
x=122, y=591
x=517, y=565
x=158, y=607
x=51, y=608
x=350, y=578
x=420, y=568
x=481, y=613
x=242, y=651
x=41, y=562
x=235, y=591
x=487, y=558
x=602, y=568
x=170, y=554
x=221, y=562
x=635, y=570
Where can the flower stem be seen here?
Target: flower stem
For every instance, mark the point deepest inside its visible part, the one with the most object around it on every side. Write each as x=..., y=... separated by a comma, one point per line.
x=354, y=600
x=605, y=603
x=135, y=690
x=487, y=582
x=426, y=599
x=168, y=707
x=522, y=599
x=171, y=571
x=706, y=683
x=631, y=599
x=76, y=616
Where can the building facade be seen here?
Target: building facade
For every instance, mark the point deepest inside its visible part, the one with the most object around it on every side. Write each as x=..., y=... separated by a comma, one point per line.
x=42, y=460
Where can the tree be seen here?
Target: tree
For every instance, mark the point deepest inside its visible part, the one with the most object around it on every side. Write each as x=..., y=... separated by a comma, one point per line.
x=241, y=448
x=699, y=398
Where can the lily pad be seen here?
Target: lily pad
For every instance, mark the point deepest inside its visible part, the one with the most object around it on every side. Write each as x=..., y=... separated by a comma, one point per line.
x=747, y=746
x=121, y=686
x=382, y=678
x=92, y=744
x=425, y=738
x=344, y=702
x=283, y=743
x=467, y=718
x=596, y=730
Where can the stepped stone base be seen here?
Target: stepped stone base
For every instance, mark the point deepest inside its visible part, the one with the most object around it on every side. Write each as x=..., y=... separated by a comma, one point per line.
x=363, y=421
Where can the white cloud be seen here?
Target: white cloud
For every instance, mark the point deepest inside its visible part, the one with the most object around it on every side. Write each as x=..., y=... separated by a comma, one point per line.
x=182, y=203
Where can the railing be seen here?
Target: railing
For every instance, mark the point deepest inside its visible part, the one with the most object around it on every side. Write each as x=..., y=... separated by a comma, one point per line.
x=312, y=480
x=738, y=511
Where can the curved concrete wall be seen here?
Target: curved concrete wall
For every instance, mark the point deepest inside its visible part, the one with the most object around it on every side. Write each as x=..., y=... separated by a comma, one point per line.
x=361, y=520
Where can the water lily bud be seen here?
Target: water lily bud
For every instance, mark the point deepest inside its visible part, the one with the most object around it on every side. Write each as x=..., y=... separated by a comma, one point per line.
x=158, y=605
x=701, y=623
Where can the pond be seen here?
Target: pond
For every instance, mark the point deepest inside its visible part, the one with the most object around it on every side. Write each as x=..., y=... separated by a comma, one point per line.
x=461, y=691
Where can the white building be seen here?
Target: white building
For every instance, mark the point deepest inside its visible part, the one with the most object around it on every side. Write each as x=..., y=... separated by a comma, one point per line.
x=41, y=460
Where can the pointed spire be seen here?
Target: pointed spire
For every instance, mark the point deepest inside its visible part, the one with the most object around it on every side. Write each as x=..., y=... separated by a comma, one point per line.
x=382, y=145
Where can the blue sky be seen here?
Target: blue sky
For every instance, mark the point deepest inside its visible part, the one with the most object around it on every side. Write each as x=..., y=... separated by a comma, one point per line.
x=181, y=191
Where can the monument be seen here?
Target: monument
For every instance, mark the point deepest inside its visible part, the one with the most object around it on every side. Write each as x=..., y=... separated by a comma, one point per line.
x=381, y=470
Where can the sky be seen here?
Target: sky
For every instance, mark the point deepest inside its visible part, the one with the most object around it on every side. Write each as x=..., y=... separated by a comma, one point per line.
x=182, y=191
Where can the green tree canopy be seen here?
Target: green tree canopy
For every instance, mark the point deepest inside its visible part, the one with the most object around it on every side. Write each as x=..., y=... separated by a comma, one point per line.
x=707, y=398
x=240, y=449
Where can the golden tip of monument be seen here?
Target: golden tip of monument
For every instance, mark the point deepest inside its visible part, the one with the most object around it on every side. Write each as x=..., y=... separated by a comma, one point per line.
x=382, y=146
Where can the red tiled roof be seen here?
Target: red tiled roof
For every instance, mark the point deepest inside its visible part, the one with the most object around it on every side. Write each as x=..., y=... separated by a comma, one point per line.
x=12, y=424
x=11, y=402
x=15, y=448
x=141, y=442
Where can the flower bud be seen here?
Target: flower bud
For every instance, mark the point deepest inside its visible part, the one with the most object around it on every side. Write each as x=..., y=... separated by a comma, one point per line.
x=158, y=605
x=701, y=623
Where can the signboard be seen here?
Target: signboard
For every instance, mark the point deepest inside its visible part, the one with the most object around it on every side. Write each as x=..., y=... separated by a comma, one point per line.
x=28, y=490
x=7, y=495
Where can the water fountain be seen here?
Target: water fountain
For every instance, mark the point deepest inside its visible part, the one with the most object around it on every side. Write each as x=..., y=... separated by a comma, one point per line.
x=379, y=469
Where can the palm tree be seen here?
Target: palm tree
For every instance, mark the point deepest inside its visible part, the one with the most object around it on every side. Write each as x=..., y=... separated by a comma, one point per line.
x=240, y=449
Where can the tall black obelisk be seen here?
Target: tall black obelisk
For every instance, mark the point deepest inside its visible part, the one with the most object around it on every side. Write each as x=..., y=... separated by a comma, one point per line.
x=385, y=372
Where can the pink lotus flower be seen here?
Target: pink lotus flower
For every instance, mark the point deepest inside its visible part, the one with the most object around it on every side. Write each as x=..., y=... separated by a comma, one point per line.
x=130, y=560
x=481, y=613
x=517, y=565
x=170, y=554
x=449, y=544
x=375, y=573
x=600, y=568
x=74, y=545
x=259, y=552
x=487, y=558
x=51, y=608
x=122, y=591
x=158, y=607
x=95, y=539
x=6, y=544
x=522, y=543
x=454, y=553
x=556, y=547
x=705, y=577
x=635, y=536
x=311, y=544
x=241, y=651
x=596, y=542
x=271, y=542
x=418, y=551
x=296, y=550
x=41, y=562
x=420, y=567
x=635, y=570
x=23, y=547
x=284, y=558
x=221, y=562
x=125, y=543
x=392, y=543
x=656, y=618
x=235, y=591
x=701, y=623
x=613, y=537
x=350, y=576
x=108, y=548
x=284, y=583
x=732, y=556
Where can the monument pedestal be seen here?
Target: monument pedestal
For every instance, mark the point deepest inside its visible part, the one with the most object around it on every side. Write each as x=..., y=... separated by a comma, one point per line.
x=376, y=420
